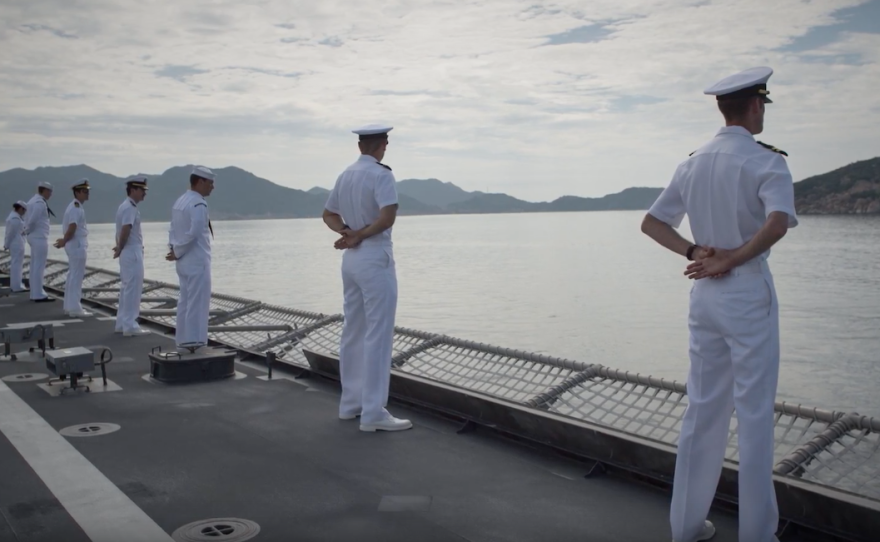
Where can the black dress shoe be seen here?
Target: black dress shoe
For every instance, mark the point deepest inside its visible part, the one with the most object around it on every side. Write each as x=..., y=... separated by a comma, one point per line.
x=44, y=300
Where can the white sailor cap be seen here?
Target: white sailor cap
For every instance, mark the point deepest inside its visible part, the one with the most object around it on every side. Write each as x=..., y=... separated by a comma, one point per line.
x=373, y=131
x=21, y=204
x=44, y=184
x=137, y=181
x=204, y=173
x=750, y=82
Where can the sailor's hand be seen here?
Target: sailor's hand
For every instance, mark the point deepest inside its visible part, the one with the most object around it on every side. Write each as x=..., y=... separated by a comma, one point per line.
x=711, y=263
x=348, y=239
x=116, y=252
x=59, y=243
x=170, y=256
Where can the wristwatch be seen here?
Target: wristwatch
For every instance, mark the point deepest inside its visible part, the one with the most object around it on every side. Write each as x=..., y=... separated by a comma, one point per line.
x=690, y=251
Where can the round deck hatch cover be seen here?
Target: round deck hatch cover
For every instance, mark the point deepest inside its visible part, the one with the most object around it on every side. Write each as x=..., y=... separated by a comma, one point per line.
x=89, y=429
x=225, y=529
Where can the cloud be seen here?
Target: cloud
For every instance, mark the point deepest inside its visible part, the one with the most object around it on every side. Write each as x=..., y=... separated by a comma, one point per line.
x=31, y=27
x=582, y=34
x=179, y=73
x=538, y=99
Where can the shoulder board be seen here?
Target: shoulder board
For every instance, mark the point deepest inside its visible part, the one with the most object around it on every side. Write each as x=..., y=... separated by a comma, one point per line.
x=76, y=204
x=692, y=153
x=384, y=166
x=200, y=203
x=772, y=148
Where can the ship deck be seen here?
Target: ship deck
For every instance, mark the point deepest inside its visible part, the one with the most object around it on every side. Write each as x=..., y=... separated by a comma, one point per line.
x=273, y=452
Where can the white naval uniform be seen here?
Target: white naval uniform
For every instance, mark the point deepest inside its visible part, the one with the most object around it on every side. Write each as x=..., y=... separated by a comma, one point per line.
x=190, y=239
x=728, y=188
x=76, y=249
x=369, y=282
x=14, y=242
x=36, y=223
x=131, y=267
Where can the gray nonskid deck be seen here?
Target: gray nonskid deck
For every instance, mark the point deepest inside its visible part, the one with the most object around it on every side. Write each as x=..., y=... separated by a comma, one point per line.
x=274, y=452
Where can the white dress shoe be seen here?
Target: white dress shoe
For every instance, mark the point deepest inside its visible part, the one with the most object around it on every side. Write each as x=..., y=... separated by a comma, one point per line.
x=388, y=424
x=707, y=532
x=135, y=333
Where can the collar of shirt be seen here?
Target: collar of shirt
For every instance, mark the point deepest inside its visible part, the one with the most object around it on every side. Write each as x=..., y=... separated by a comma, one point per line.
x=736, y=130
x=132, y=202
x=367, y=158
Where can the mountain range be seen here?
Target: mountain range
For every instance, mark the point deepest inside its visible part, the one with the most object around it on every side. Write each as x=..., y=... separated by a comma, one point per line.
x=852, y=189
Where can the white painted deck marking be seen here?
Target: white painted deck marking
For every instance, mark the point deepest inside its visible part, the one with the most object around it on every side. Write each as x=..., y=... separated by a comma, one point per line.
x=54, y=323
x=101, y=509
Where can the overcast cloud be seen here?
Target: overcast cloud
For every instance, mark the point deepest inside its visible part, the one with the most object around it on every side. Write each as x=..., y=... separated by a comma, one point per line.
x=536, y=99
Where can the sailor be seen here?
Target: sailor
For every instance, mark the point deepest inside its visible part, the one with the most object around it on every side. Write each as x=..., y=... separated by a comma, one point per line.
x=75, y=243
x=362, y=208
x=190, y=244
x=14, y=243
x=36, y=225
x=739, y=198
x=130, y=251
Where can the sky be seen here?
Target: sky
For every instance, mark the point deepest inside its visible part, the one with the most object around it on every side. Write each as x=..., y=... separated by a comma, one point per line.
x=534, y=99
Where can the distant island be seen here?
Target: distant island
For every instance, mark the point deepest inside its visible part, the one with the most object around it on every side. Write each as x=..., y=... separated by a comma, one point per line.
x=852, y=189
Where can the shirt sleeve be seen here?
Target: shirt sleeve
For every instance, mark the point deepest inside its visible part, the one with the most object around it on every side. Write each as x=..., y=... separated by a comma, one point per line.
x=128, y=216
x=332, y=204
x=80, y=217
x=669, y=206
x=776, y=189
x=31, y=216
x=386, y=190
x=198, y=214
x=13, y=228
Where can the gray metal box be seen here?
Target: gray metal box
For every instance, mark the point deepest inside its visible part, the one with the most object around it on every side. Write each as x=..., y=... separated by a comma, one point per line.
x=65, y=361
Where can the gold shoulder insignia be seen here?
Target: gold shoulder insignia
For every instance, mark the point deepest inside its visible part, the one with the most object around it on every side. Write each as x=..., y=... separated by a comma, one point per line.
x=772, y=148
x=76, y=204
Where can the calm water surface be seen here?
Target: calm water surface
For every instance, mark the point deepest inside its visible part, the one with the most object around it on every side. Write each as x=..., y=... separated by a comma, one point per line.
x=585, y=286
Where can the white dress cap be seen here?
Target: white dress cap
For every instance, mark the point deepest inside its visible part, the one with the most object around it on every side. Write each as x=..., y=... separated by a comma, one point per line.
x=21, y=204
x=44, y=184
x=373, y=129
x=750, y=82
x=204, y=173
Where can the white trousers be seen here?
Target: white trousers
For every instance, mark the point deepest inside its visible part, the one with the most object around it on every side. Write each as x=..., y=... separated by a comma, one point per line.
x=734, y=354
x=15, y=265
x=369, y=281
x=131, y=273
x=39, y=253
x=76, y=269
x=194, y=303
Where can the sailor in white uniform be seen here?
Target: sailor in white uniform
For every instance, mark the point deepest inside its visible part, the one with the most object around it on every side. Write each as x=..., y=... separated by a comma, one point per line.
x=130, y=251
x=362, y=207
x=739, y=198
x=76, y=244
x=36, y=225
x=14, y=243
x=190, y=243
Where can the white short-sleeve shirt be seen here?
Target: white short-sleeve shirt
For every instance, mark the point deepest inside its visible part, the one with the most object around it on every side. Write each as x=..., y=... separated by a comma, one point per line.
x=36, y=218
x=728, y=188
x=76, y=214
x=360, y=192
x=128, y=215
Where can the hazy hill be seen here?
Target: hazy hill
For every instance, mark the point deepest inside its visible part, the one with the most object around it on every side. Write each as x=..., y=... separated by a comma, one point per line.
x=239, y=194
x=852, y=189
x=433, y=192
